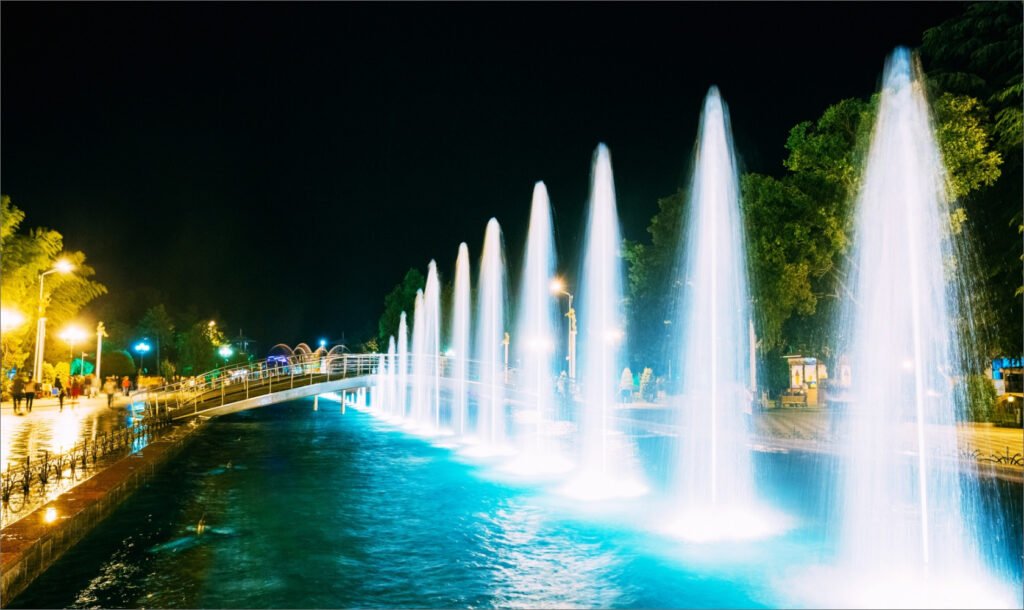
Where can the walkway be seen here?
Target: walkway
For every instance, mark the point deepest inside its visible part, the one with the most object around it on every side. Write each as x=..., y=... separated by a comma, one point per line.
x=815, y=424
x=47, y=428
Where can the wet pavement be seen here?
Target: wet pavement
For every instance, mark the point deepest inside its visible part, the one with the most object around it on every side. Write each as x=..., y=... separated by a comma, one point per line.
x=48, y=428
x=51, y=429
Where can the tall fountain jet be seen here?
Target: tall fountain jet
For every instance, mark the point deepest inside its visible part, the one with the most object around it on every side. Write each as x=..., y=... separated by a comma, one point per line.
x=402, y=389
x=459, y=352
x=714, y=469
x=419, y=361
x=910, y=523
x=608, y=466
x=490, y=331
x=536, y=321
x=432, y=349
x=391, y=390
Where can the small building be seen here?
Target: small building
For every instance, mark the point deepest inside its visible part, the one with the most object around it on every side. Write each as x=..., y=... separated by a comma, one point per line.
x=1008, y=379
x=806, y=375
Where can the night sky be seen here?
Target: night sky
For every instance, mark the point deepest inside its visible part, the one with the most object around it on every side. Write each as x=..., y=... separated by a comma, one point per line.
x=280, y=166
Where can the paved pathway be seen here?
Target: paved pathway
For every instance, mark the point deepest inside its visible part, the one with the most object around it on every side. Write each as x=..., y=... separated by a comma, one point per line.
x=815, y=424
x=49, y=428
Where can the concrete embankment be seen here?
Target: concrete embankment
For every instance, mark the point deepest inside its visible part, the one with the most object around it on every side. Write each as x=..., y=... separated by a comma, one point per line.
x=29, y=546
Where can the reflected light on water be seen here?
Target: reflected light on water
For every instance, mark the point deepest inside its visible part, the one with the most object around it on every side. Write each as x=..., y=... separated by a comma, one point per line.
x=538, y=569
x=66, y=429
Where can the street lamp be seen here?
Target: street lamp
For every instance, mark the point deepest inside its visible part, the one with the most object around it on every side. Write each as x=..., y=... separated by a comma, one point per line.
x=142, y=348
x=62, y=266
x=73, y=335
x=225, y=352
x=101, y=332
x=558, y=288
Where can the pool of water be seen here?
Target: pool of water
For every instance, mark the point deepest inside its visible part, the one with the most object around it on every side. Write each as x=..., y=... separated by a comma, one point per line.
x=289, y=507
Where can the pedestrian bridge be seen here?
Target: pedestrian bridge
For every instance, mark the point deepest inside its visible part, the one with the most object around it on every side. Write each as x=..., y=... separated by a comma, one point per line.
x=238, y=388
x=284, y=378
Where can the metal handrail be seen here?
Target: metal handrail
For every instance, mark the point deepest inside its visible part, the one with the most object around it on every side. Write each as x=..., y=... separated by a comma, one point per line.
x=33, y=478
x=227, y=384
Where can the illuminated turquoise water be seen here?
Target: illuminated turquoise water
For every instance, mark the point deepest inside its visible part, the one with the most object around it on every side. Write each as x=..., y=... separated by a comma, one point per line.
x=312, y=509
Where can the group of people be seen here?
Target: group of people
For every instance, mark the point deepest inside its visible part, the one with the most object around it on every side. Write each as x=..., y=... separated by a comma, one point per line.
x=24, y=390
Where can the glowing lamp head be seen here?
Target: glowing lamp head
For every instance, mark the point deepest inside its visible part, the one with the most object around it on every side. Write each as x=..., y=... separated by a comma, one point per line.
x=557, y=286
x=211, y=324
x=64, y=266
x=10, y=318
x=225, y=351
x=50, y=515
x=142, y=347
x=323, y=342
x=72, y=334
x=448, y=353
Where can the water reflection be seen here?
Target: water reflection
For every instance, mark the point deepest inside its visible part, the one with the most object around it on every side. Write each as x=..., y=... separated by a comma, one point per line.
x=49, y=429
x=538, y=566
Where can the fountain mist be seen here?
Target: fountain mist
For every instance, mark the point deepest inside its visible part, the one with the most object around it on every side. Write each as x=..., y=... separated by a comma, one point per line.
x=535, y=341
x=402, y=393
x=490, y=330
x=432, y=349
x=714, y=477
x=392, y=378
x=607, y=456
x=460, y=339
x=910, y=531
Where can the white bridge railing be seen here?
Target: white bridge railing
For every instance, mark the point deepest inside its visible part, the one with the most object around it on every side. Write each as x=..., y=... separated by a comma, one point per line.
x=230, y=384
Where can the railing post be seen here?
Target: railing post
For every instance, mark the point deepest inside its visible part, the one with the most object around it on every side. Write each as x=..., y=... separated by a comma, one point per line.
x=247, y=386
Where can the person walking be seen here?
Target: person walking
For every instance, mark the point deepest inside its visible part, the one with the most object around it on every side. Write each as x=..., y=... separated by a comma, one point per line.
x=30, y=393
x=126, y=384
x=87, y=386
x=110, y=388
x=76, y=389
x=18, y=392
x=60, y=391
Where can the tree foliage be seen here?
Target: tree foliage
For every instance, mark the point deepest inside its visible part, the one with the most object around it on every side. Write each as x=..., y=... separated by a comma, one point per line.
x=799, y=225
x=401, y=298
x=978, y=54
x=25, y=255
x=158, y=325
x=197, y=348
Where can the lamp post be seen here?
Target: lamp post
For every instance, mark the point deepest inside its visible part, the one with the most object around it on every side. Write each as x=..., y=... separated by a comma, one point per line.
x=73, y=335
x=62, y=266
x=558, y=287
x=225, y=352
x=142, y=348
x=100, y=333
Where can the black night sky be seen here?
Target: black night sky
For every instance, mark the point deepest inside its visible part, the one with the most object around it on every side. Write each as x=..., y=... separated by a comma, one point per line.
x=280, y=166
